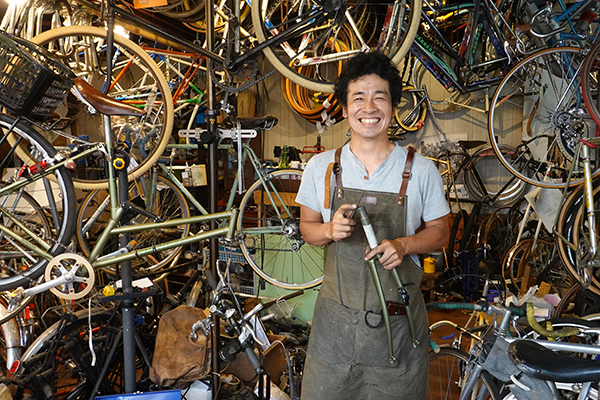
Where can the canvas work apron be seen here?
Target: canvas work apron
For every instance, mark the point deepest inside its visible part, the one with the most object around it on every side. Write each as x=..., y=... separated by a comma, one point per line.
x=348, y=347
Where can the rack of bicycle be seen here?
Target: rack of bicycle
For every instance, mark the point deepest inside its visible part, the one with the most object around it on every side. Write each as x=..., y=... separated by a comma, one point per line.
x=524, y=202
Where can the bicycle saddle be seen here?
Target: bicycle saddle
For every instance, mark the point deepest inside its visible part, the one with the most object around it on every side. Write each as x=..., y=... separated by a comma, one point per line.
x=102, y=103
x=260, y=123
x=471, y=144
x=536, y=360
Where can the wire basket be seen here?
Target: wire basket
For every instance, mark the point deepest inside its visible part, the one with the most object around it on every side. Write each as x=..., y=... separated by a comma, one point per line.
x=33, y=82
x=234, y=254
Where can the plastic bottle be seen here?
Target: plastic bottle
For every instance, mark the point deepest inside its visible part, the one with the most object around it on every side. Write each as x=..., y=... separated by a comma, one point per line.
x=285, y=161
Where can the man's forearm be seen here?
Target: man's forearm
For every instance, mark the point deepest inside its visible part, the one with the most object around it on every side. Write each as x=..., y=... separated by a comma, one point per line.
x=429, y=239
x=315, y=233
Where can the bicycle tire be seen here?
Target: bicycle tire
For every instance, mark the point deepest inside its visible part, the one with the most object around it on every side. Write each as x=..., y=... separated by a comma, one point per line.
x=498, y=234
x=566, y=299
x=569, y=222
x=522, y=255
x=446, y=375
x=589, y=82
x=470, y=225
x=168, y=203
x=409, y=114
x=70, y=374
x=456, y=234
x=279, y=256
x=532, y=110
x=488, y=171
x=282, y=63
x=25, y=266
x=146, y=137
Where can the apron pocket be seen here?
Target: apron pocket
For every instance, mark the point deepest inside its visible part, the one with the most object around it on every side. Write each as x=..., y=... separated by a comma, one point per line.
x=333, y=334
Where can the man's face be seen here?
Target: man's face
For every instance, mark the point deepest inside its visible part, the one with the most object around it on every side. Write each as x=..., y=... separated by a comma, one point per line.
x=369, y=106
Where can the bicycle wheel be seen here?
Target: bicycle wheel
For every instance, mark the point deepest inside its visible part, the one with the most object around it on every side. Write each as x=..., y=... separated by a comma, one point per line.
x=573, y=226
x=271, y=238
x=526, y=264
x=442, y=101
x=489, y=182
x=589, y=82
x=456, y=235
x=41, y=213
x=410, y=113
x=538, y=109
x=315, y=40
x=499, y=234
x=447, y=373
x=59, y=362
x=137, y=80
x=161, y=199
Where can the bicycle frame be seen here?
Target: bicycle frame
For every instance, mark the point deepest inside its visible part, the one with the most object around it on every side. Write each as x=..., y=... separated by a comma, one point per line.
x=136, y=24
x=41, y=248
x=442, y=71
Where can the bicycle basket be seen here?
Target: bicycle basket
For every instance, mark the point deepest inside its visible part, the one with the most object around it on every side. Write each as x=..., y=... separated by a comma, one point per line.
x=33, y=82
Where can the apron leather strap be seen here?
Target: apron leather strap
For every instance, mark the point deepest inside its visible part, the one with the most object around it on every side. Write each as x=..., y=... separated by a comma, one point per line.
x=336, y=168
x=328, y=185
x=406, y=175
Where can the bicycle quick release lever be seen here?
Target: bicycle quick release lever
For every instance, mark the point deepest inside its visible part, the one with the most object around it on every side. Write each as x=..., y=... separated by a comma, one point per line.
x=372, y=241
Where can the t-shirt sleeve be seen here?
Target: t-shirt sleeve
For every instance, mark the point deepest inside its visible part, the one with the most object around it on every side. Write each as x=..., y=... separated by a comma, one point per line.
x=434, y=198
x=308, y=192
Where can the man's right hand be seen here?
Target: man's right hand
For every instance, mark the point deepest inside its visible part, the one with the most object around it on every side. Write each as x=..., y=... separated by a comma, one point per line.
x=341, y=225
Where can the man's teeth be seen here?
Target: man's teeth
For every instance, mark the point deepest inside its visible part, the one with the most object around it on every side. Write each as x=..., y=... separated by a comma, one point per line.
x=370, y=120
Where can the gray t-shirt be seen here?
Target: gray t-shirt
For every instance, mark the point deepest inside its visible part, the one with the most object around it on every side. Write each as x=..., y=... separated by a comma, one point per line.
x=425, y=192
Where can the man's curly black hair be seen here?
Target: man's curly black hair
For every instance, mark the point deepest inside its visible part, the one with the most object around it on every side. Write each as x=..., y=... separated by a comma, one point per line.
x=366, y=64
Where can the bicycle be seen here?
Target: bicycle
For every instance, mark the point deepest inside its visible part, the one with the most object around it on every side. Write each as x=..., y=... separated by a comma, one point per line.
x=306, y=35
x=277, y=212
x=495, y=38
x=539, y=110
x=510, y=361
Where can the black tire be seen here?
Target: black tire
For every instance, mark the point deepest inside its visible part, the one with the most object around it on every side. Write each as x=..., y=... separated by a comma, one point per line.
x=446, y=371
x=23, y=265
x=456, y=235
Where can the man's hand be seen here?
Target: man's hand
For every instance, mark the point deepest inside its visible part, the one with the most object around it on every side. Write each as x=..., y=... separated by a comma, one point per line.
x=392, y=252
x=341, y=226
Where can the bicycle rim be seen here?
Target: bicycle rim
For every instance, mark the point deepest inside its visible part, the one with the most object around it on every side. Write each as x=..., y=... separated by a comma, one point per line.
x=499, y=186
x=572, y=225
x=20, y=214
x=318, y=41
x=456, y=234
x=137, y=80
x=409, y=114
x=70, y=374
x=538, y=109
x=447, y=374
x=273, y=246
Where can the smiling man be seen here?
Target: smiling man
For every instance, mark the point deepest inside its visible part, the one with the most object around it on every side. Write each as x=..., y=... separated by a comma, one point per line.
x=348, y=355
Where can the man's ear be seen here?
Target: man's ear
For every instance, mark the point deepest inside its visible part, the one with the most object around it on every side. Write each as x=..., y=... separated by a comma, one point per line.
x=344, y=112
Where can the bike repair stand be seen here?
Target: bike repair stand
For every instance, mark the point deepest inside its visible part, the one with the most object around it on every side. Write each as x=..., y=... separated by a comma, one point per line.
x=119, y=160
